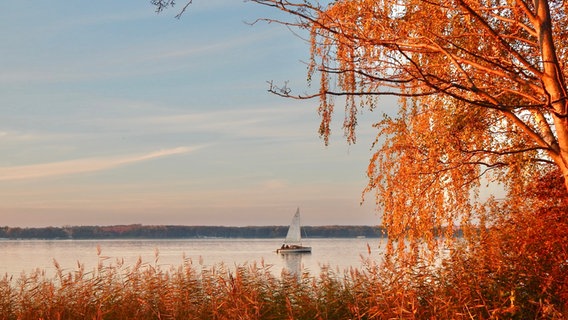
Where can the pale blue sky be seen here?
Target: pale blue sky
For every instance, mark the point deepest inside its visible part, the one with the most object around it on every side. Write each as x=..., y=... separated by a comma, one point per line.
x=111, y=114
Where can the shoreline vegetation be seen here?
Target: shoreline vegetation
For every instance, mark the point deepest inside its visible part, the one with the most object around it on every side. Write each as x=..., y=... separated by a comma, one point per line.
x=138, y=231
x=252, y=291
x=483, y=280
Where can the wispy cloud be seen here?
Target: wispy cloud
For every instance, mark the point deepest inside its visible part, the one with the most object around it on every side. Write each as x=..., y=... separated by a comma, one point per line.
x=83, y=165
x=273, y=121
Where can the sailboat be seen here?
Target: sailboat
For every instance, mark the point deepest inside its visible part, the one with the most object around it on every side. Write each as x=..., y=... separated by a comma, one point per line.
x=293, y=241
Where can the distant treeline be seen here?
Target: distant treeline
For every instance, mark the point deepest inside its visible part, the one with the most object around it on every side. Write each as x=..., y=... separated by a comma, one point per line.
x=138, y=231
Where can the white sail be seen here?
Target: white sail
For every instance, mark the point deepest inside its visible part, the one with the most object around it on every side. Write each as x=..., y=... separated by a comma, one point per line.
x=294, y=236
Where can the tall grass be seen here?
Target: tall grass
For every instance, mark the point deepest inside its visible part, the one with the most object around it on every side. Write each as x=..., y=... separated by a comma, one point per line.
x=460, y=289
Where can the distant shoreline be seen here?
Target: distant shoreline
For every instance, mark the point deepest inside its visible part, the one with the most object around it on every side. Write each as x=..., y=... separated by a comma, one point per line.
x=138, y=231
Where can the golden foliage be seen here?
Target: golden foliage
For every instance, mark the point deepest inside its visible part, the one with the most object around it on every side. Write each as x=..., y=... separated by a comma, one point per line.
x=483, y=99
x=523, y=251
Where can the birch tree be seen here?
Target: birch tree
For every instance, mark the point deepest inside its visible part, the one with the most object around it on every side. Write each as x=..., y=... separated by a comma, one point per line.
x=482, y=87
x=482, y=94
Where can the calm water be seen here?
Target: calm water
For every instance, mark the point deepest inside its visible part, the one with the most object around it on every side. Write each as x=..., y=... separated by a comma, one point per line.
x=27, y=255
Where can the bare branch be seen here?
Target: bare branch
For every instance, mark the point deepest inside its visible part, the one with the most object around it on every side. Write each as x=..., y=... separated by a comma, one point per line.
x=161, y=5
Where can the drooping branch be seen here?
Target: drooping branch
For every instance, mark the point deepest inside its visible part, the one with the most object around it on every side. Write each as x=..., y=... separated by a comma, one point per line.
x=481, y=87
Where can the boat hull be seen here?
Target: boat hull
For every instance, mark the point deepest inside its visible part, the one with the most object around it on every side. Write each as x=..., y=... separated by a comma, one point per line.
x=294, y=250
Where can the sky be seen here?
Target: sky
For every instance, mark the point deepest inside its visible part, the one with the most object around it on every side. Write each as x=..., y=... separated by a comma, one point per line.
x=113, y=114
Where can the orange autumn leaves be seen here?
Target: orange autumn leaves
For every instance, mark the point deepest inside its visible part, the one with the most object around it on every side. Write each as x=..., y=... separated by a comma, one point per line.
x=482, y=98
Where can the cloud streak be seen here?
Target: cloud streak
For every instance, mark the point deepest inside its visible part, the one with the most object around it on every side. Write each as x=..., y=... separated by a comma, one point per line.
x=77, y=166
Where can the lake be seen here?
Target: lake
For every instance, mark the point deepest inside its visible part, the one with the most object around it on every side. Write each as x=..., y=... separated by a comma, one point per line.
x=27, y=255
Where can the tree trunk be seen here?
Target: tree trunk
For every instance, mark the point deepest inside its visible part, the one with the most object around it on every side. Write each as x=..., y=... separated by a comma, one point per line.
x=555, y=85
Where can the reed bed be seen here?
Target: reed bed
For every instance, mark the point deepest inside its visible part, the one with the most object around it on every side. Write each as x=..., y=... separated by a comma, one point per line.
x=460, y=289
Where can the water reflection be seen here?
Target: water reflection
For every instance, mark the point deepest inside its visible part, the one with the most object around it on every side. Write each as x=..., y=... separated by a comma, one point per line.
x=293, y=262
x=28, y=255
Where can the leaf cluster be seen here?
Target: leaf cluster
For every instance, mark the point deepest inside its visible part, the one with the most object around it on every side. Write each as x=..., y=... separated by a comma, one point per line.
x=482, y=100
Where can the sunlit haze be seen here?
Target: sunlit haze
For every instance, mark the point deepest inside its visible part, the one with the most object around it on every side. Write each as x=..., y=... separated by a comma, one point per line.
x=112, y=114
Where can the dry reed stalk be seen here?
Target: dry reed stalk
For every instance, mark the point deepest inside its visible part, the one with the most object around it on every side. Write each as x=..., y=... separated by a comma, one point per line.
x=463, y=287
